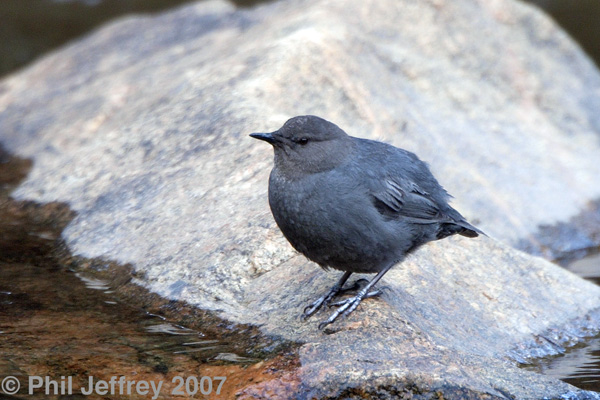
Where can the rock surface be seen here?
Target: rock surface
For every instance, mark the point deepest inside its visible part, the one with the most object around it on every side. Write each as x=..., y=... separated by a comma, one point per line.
x=142, y=128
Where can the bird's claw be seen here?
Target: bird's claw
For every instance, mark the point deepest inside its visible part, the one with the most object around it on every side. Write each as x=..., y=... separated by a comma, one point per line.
x=326, y=299
x=313, y=307
x=320, y=302
x=346, y=306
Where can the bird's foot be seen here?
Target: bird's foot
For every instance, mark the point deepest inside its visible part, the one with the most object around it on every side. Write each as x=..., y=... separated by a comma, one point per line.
x=313, y=307
x=340, y=303
x=346, y=306
x=326, y=299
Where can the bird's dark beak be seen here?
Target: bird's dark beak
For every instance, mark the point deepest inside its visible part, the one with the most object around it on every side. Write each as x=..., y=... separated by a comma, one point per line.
x=267, y=137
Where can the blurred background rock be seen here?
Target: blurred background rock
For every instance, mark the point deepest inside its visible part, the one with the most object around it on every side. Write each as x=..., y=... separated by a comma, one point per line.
x=29, y=28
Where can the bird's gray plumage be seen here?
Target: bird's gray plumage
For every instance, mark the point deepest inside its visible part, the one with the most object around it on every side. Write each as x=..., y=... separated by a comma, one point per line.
x=353, y=204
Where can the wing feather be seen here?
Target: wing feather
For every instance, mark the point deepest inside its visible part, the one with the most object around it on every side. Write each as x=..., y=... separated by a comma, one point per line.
x=406, y=199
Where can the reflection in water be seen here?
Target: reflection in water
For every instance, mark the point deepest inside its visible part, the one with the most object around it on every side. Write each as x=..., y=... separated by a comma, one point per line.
x=231, y=357
x=578, y=365
x=95, y=284
x=169, y=329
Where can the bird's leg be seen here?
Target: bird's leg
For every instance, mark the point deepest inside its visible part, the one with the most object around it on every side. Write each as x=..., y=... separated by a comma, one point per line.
x=356, y=286
x=311, y=309
x=349, y=305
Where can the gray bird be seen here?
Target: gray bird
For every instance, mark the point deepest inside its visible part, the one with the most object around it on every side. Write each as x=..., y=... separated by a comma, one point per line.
x=353, y=204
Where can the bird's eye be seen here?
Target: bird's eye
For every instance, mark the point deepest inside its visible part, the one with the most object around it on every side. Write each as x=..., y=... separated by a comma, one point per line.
x=302, y=140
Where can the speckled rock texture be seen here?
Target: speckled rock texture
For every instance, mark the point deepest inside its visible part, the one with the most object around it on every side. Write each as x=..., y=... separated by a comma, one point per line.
x=142, y=128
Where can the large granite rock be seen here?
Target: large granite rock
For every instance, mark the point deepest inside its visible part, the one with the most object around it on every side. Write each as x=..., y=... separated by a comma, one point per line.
x=142, y=128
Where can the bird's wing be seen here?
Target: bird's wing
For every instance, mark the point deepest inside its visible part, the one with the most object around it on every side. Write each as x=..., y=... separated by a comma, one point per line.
x=406, y=199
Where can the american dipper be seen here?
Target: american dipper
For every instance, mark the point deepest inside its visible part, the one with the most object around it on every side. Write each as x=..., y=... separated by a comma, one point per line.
x=353, y=204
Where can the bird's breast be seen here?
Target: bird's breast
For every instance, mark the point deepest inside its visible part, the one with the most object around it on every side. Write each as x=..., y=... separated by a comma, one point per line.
x=330, y=222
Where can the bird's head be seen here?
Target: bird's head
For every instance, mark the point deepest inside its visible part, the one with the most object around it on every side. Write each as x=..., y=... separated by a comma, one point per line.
x=307, y=144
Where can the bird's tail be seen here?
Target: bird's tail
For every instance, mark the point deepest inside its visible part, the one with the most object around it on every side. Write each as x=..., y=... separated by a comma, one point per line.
x=469, y=230
x=461, y=227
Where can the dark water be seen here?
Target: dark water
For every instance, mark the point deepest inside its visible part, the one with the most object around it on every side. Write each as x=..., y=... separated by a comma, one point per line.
x=580, y=364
